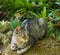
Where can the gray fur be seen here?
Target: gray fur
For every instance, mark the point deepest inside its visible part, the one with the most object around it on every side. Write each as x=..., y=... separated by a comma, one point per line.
x=35, y=28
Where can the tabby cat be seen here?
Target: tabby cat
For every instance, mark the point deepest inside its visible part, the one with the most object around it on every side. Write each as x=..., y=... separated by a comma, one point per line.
x=30, y=32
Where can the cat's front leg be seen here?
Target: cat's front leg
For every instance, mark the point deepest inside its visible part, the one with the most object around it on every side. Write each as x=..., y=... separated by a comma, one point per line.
x=21, y=51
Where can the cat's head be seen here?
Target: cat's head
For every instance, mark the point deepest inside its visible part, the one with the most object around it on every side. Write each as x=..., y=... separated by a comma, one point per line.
x=19, y=39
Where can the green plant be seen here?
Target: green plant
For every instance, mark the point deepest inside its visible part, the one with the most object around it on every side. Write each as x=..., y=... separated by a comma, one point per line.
x=14, y=24
x=8, y=7
x=32, y=8
x=57, y=34
x=50, y=28
x=28, y=8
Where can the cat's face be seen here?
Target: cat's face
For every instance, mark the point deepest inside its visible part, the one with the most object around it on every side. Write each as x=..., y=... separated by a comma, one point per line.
x=19, y=39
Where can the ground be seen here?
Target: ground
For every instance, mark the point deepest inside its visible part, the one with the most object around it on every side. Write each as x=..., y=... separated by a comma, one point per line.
x=47, y=46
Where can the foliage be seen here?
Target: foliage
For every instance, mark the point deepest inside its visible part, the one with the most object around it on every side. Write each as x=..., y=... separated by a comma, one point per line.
x=57, y=35
x=48, y=9
x=35, y=8
x=51, y=29
x=14, y=24
x=54, y=24
x=30, y=8
x=23, y=7
x=55, y=14
x=8, y=6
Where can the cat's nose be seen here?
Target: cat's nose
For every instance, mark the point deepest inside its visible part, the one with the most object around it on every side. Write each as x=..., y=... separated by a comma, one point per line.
x=13, y=47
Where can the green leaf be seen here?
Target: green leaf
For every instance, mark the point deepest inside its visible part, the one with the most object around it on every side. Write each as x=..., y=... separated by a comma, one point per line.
x=44, y=12
x=21, y=3
x=58, y=35
x=27, y=4
x=14, y=24
x=21, y=10
x=36, y=15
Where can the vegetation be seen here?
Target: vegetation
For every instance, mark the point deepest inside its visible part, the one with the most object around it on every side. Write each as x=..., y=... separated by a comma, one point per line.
x=37, y=8
x=22, y=9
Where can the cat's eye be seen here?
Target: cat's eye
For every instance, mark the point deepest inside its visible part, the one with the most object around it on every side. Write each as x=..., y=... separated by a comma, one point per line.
x=20, y=35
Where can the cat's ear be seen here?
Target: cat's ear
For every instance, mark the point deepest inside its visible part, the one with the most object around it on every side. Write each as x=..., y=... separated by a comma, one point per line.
x=17, y=29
